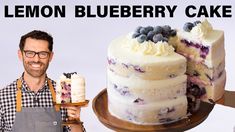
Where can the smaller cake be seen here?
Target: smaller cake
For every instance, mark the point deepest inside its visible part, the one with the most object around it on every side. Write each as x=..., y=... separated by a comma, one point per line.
x=70, y=88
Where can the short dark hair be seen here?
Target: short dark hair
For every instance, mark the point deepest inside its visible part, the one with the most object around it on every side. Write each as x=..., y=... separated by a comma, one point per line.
x=37, y=34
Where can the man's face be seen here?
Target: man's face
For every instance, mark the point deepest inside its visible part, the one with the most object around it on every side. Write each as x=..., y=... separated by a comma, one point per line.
x=36, y=65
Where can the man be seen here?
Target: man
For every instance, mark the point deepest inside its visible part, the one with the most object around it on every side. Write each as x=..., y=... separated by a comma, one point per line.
x=26, y=105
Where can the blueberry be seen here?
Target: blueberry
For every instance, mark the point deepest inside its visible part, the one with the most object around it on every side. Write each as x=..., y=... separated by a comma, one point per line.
x=194, y=90
x=203, y=56
x=196, y=22
x=203, y=91
x=157, y=37
x=197, y=46
x=205, y=49
x=150, y=35
x=141, y=38
x=67, y=75
x=138, y=100
x=134, y=35
x=165, y=39
x=166, y=30
x=138, y=69
x=143, y=31
x=149, y=28
x=157, y=29
x=137, y=30
x=115, y=86
x=172, y=75
x=188, y=26
x=173, y=33
x=125, y=65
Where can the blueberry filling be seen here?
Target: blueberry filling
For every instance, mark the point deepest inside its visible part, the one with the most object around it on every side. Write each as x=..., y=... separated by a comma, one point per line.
x=111, y=69
x=123, y=90
x=172, y=75
x=196, y=91
x=204, y=50
x=111, y=61
x=115, y=86
x=130, y=116
x=125, y=65
x=138, y=101
x=138, y=69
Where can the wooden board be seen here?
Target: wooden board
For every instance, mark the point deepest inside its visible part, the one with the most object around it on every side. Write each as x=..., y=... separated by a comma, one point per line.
x=100, y=108
x=81, y=104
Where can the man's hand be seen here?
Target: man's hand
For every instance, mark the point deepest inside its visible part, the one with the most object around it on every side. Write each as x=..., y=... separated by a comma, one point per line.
x=74, y=112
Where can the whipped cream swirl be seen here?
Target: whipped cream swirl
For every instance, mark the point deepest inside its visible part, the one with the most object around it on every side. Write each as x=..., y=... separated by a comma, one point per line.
x=201, y=30
x=150, y=48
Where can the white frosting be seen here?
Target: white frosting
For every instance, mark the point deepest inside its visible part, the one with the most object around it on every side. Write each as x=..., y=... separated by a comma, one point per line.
x=147, y=114
x=149, y=48
x=148, y=90
x=159, y=84
x=120, y=49
x=213, y=39
x=77, y=88
x=202, y=33
x=154, y=67
x=58, y=92
x=201, y=30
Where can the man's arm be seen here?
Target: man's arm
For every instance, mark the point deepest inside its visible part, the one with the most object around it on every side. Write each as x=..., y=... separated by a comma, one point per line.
x=77, y=128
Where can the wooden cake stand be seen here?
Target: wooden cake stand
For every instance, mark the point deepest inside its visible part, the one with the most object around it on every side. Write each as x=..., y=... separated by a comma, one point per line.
x=73, y=121
x=100, y=107
x=228, y=99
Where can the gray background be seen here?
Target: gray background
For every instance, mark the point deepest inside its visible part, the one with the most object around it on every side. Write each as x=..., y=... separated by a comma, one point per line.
x=80, y=44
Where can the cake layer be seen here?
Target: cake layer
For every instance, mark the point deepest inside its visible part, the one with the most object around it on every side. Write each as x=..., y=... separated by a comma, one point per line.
x=134, y=88
x=63, y=91
x=209, y=50
x=213, y=91
x=126, y=63
x=153, y=113
x=205, y=74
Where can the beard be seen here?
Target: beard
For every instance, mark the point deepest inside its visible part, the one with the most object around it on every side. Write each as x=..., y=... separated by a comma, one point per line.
x=39, y=72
